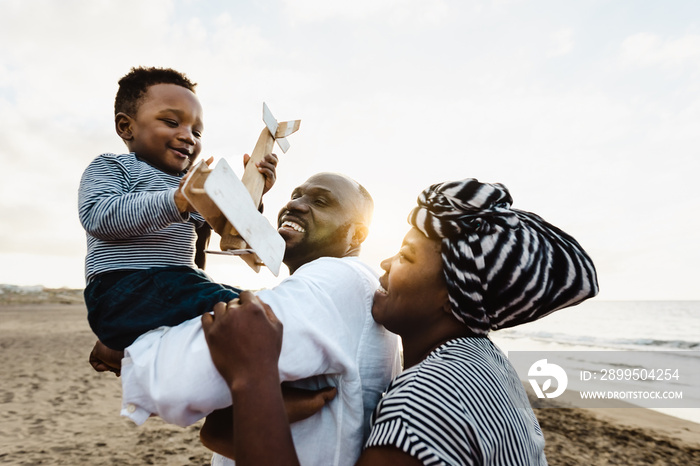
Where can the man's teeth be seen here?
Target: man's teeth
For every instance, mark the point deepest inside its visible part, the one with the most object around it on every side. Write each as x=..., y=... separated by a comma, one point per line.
x=293, y=226
x=382, y=290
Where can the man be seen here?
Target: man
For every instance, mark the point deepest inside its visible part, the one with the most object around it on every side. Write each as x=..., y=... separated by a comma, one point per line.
x=330, y=337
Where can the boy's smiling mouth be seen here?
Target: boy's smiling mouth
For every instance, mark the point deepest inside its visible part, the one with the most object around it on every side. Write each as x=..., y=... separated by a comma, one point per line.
x=185, y=152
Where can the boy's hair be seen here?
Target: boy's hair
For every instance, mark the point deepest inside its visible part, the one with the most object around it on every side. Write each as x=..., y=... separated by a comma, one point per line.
x=133, y=86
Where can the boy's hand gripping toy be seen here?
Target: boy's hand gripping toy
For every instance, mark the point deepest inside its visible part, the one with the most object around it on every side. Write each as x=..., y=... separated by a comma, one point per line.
x=231, y=205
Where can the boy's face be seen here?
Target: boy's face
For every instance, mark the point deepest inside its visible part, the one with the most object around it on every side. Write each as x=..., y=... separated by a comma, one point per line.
x=167, y=128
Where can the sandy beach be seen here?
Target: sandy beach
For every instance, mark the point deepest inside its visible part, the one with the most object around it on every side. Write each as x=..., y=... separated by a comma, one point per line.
x=55, y=410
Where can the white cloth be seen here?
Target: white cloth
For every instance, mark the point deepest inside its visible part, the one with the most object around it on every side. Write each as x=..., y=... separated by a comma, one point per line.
x=329, y=338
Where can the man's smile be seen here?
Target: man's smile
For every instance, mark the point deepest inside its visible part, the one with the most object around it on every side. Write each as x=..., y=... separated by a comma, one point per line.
x=287, y=224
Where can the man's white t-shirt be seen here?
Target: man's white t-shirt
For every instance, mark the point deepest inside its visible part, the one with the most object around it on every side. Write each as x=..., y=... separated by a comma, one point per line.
x=329, y=338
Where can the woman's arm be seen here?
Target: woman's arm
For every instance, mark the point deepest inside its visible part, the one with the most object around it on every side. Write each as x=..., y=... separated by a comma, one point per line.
x=379, y=456
x=245, y=339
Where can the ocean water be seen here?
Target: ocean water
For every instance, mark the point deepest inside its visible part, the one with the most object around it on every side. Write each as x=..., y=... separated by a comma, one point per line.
x=669, y=329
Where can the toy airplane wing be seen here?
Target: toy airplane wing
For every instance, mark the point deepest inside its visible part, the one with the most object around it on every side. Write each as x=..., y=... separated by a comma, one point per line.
x=218, y=195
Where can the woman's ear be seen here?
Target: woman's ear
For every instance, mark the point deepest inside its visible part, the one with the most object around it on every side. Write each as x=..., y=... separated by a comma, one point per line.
x=122, y=124
x=446, y=308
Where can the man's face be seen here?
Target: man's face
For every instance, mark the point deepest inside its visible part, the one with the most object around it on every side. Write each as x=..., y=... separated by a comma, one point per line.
x=319, y=219
x=167, y=128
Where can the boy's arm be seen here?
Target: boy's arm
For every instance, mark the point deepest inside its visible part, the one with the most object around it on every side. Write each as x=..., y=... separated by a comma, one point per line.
x=203, y=237
x=108, y=209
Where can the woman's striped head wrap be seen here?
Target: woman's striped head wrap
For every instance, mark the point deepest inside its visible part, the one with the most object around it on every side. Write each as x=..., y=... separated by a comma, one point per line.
x=503, y=266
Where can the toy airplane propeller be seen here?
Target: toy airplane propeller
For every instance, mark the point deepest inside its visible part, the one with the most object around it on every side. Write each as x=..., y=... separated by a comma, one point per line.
x=231, y=205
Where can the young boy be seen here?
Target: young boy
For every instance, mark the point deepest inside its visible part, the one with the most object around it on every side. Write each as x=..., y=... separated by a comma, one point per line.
x=141, y=231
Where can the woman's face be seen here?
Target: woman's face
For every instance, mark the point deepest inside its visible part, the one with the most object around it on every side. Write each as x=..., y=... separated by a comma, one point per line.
x=413, y=292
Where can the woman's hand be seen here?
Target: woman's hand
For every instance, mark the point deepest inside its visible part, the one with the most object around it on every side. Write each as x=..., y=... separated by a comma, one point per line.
x=244, y=338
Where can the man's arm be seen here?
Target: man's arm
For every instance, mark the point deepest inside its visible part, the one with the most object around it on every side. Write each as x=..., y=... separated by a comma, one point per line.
x=169, y=371
x=217, y=432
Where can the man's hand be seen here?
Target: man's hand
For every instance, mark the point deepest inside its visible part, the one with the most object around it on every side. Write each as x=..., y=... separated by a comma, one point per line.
x=300, y=403
x=181, y=202
x=244, y=338
x=267, y=167
x=104, y=359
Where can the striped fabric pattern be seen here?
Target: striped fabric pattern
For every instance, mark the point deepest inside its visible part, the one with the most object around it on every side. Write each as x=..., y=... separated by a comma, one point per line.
x=127, y=209
x=462, y=405
x=503, y=266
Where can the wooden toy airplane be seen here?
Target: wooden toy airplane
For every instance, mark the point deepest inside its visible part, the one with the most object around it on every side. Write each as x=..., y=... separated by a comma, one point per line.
x=231, y=205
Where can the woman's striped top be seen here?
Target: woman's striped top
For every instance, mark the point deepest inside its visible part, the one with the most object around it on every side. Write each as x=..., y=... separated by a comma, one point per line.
x=128, y=210
x=464, y=404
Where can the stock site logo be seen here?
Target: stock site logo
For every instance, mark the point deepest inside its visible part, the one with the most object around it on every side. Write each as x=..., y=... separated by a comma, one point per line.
x=542, y=370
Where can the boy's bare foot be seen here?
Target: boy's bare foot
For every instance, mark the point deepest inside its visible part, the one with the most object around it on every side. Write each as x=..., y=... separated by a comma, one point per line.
x=104, y=359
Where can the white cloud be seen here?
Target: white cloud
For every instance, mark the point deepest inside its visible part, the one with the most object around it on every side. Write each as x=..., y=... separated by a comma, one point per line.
x=646, y=49
x=394, y=12
x=562, y=42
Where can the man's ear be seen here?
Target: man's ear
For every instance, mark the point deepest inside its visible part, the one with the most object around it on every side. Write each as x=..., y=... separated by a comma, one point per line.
x=123, y=123
x=360, y=234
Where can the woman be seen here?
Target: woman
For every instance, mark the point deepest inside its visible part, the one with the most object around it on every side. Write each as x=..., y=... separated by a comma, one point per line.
x=469, y=264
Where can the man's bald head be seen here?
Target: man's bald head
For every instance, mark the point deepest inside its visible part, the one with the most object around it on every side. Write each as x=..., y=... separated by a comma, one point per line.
x=327, y=216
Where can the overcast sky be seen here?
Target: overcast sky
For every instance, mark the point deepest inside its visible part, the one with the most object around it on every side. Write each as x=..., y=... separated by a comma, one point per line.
x=588, y=111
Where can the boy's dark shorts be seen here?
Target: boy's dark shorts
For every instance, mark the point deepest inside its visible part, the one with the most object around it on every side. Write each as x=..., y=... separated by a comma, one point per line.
x=125, y=304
